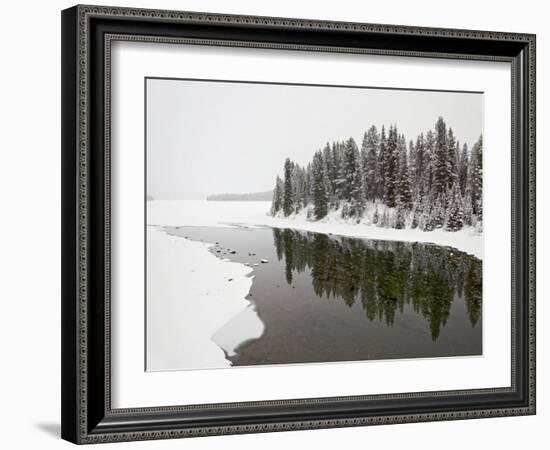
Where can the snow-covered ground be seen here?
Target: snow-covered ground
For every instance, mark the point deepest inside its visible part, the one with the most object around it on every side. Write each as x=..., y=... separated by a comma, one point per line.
x=194, y=312
x=203, y=213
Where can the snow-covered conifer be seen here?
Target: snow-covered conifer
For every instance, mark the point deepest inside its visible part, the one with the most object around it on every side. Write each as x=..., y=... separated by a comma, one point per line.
x=452, y=159
x=277, y=202
x=440, y=160
x=391, y=168
x=476, y=178
x=455, y=220
x=288, y=197
x=463, y=169
x=369, y=159
x=320, y=186
x=403, y=182
x=353, y=191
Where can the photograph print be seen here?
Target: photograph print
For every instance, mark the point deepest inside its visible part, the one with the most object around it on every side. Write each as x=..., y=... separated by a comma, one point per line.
x=296, y=224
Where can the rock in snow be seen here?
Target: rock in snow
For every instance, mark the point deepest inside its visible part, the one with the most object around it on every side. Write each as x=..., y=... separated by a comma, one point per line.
x=264, y=261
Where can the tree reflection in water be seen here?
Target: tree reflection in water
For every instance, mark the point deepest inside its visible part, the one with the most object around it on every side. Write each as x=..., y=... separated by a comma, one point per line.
x=384, y=275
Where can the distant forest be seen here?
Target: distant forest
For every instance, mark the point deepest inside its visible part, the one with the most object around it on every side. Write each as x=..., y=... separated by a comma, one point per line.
x=249, y=197
x=432, y=182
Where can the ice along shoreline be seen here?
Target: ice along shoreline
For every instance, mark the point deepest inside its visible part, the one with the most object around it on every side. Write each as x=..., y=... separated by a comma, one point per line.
x=186, y=303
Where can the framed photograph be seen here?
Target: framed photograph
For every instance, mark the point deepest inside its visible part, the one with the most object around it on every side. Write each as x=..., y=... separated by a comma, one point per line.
x=278, y=224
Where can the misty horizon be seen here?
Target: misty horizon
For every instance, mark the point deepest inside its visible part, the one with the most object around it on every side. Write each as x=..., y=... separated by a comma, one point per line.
x=209, y=138
x=213, y=194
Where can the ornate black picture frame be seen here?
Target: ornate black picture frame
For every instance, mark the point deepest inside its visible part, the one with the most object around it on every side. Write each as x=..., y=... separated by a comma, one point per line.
x=87, y=35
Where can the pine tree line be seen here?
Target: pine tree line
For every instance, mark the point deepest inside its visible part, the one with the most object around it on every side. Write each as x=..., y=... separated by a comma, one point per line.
x=432, y=182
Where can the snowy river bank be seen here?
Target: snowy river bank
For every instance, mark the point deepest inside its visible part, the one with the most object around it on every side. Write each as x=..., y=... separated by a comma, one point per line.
x=196, y=317
x=203, y=213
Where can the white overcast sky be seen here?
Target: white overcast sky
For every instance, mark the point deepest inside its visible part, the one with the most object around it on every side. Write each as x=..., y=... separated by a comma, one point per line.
x=215, y=137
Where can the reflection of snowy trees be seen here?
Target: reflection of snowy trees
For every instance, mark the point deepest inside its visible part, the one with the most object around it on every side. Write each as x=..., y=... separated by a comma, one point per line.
x=385, y=275
x=432, y=182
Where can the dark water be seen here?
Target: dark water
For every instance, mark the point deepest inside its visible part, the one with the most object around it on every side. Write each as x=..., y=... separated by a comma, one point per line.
x=325, y=298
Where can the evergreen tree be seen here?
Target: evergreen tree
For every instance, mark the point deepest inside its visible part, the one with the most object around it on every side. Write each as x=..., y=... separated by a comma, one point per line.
x=320, y=186
x=428, y=165
x=468, y=210
x=296, y=188
x=438, y=211
x=457, y=159
x=309, y=181
x=399, y=219
x=476, y=178
x=288, y=197
x=307, y=197
x=412, y=163
x=303, y=187
x=463, y=169
x=418, y=168
x=391, y=168
x=328, y=158
x=440, y=160
x=426, y=222
x=334, y=174
x=303, y=178
x=455, y=221
x=277, y=203
x=369, y=159
x=452, y=159
x=403, y=185
x=353, y=191
x=416, y=218
x=382, y=163
x=363, y=161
